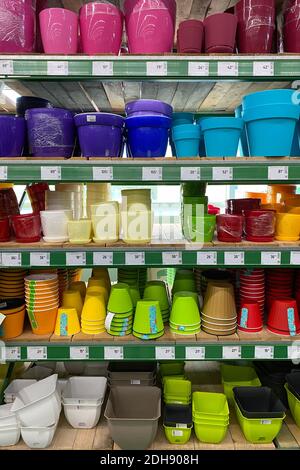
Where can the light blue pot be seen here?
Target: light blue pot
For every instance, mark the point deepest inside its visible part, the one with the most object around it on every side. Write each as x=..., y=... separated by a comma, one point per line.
x=186, y=138
x=243, y=148
x=222, y=136
x=295, y=152
x=178, y=120
x=269, y=97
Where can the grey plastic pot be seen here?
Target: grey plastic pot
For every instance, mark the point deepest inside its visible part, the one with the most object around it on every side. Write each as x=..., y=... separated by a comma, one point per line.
x=132, y=425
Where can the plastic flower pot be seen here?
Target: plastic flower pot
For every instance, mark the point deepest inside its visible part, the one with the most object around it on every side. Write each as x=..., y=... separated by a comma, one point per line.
x=186, y=138
x=10, y=394
x=238, y=206
x=258, y=402
x=287, y=227
x=84, y=390
x=5, y=230
x=283, y=317
x=177, y=436
x=222, y=136
x=38, y=437
x=260, y=225
x=294, y=404
x=182, y=118
x=199, y=229
x=174, y=368
x=51, y=132
x=208, y=405
x=185, y=310
x=79, y=231
x=17, y=27
x=190, y=37
x=178, y=388
x=72, y=299
x=120, y=299
x=101, y=27
x=148, y=319
x=147, y=136
x=80, y=286
x=220, y=31
x=195, y=206
x=12, y=325
x=9, y=436
x=148, y=107
x=59, y=30
x=137, y=227
x=27, y=102
x=100, y=134
x=27, y=227
x=249, y=317
x=55, y=225
x=13, y=133
x=237, y=376
x=210, y=433
x=157, y=290
x=268, y=97
x=94, y=309
x=230, y=228
x=294, y=383
x=42, y=321
x=67, y=322
x=7, y=418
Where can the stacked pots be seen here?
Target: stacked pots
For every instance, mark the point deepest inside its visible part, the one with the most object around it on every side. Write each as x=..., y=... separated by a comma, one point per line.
x=17, y=26
x=222, y=136
x=252, y=288
x=291, y=31
x=230, y=228
x=283, y=318
x=260, y=225
x=219, y=316
x=186, y=139
x=12, y=129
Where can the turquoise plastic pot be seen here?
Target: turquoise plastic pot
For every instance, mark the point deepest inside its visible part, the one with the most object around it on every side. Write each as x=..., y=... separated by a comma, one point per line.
x=182, y=118
x=268, y=97
x=186, y=138
x=295, y=152
x=243, y=149
x=222, y=136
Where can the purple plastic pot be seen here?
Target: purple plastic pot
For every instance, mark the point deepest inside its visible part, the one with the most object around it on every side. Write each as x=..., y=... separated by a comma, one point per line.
x=148, y=107
x=100, y=134
x=12, y=131
x=51, y=132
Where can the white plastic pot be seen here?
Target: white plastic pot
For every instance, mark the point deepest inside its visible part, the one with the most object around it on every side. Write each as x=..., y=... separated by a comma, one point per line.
x=55, y=223
x=37, y=373
x=85, y=390
x=9, y=436
x=38, y=438
x=61, y=385
x=14, y=387
x=82, y=416
x=7, y=417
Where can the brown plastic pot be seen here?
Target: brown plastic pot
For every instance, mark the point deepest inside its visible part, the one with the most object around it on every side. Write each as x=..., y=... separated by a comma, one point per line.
x=220, y=32
x=190, y=37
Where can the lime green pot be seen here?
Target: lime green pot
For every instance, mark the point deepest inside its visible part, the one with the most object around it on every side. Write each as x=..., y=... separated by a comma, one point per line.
x=178, y=435
x=148, y=319
x=185, y=310
x=157, y=290
x=120, y=299
x=199, y=229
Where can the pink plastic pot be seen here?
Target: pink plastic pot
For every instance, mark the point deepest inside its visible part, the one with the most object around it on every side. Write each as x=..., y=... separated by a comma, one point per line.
x=101, y=27
x=190, y=37
x=59, y=31
x=220, y=32
x=150, y=26
x=17, y=26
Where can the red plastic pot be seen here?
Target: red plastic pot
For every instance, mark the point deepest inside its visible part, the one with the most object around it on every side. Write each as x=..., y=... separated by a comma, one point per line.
x=284, y=316
x=238, y=206
x=213, y=210
x=220, y=33
x=291, y=36
x=249, y=317
x=230, y=228
x=27, y=227
x=4, y=229
x=260, y=226
x=190, y=37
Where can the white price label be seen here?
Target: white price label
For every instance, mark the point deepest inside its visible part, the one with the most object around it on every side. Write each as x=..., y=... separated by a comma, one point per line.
x=263, y=69
x=57, y=67
x=198, y=69
x=264, y=352
x=271, y=258
x=159, y=69
x=112, y=352
x=51, y=173
x=192, y=353
x=79, y=352
x=3, y=173
x=103, y=68
x=228, y=69
x=177, y=433
x=294, y=353
x=76, y=259
x=6, y=67
x=222, y=173
x=295, y=258
x=132, y=258
x=234, y=258
x=278, y=173
x=103, y=173
x=11, y=259
x=102, y=258
x=135, y=382
x=232, y=352
x=164, y=352
x=208, y=258
x=152, y=174
x=171, y=258
x=40, y=259
x=13, y=353
x=266, y=421
x=190, y=174
x=35, y=353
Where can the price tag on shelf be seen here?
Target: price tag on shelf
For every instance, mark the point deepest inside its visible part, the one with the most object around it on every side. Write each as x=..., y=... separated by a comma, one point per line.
x=171, y=258
x=295, y=258
x=232, y=352
x=13, y=353
x=39, y=259
x=105, y=173
x=51, y=173
x=264, y=352
x=159, y=69
x=79, y=352
x=133, y=258
x=103, y=258
x=76, y=259
x=6, y=67
x=271, y=258
x=278, y=172
x=234, y=258
x=190, y=174
x=11, y=259
x=294, y=353
x=112, y=352
x=222, y=174
x=164, y=352
x=152, y=173
x=208, y=258
x=57, y=67
x=103, y=68
x=263, y=69
x=3, y=173
x=192, y=353
x=198, y=69
x=228, y=69
x=36, y=353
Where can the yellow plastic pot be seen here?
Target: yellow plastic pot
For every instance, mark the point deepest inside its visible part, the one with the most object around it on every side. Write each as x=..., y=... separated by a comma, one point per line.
x=72, y=299
x=67, y=322
x=79, y=231
x=80, y=286
x=94, y=309
x=97, y=290
x=287, y=227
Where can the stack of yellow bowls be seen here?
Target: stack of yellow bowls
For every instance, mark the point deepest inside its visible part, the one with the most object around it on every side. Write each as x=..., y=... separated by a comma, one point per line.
x=93, y=314
x=12, y=283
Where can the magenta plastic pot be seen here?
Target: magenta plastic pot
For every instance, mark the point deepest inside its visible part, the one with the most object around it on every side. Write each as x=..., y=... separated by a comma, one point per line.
x=220, y=32
x=17, y=26
x=59, y=31
x=100, y=134
x=51, y=132
x=190, y=37
x=13, y=132
x=101, y=28
x=291, y=36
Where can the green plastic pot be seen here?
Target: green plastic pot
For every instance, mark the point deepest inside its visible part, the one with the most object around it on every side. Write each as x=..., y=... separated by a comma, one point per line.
x=194, y=206
x=121, y=328
x=185, y=310
x=120, y=333
x=184, y=274
x=178, y=435
x=176, y=401
x=210, y=405
x=193, y=188
x=135, y=295
x=171, y=368
x=148, y=337
x=237, y=376
x=185, y=333
x=157, y=290
x=120, y=299
x=224, y=421
x=199, y=229
x=177, y=377
x=258, y=431
x=184, y=285
x=123, y=321
x=294, y=405
x=148, y=319
x=210, y=433
x=180, y=388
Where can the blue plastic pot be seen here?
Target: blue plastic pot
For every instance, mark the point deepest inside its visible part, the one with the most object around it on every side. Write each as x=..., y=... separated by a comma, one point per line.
x=100, y=134
x=182, y=118
x=243, y=149
x=12, y=130
x=222, y=136
x=268, y=97
x=295, y=152
x=186, y=138
x=271, y=129
x=147, y=136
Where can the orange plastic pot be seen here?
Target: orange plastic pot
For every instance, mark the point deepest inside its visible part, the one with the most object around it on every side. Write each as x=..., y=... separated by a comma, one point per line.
x=42, y=321
x=13, y=325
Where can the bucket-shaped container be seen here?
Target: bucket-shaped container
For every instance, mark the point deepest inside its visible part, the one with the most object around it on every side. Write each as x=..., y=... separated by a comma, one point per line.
x=186, y=138
x=100, y=134
x=12, y=325
x=51, y=132
x=59, y=31
x=101, y=28
x=27, y=227
x=220, y=32
x=17, y=26
x=13, y=133
x=243, y=145
x=230, y=228
x=268, y=97
x=147, y=136
x=190, y=37
x=222, y=136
